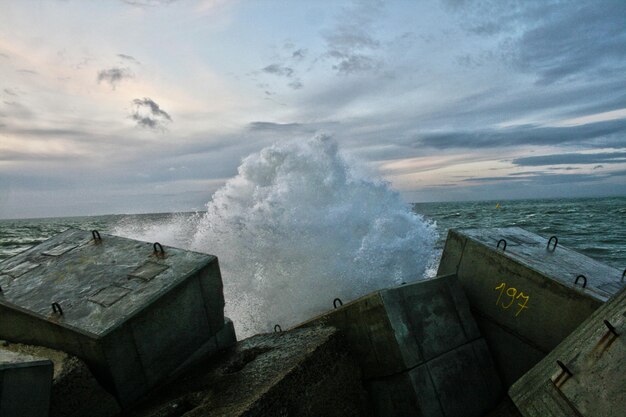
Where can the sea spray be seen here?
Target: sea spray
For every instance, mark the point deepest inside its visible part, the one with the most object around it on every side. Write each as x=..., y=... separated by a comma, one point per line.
x=299, y=226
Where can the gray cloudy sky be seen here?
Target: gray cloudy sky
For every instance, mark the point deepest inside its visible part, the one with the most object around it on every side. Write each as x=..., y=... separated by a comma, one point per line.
x=146, y=105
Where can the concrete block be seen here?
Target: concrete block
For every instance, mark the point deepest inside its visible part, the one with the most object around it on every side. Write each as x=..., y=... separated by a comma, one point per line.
x=418, y=347
x=75, y=391
x=297, y=373
x=25, y=383
x=132, y=312
x=524, y=297
x=585, y=375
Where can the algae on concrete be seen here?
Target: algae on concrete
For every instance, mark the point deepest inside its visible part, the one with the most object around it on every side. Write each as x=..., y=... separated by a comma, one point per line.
x=524, y=293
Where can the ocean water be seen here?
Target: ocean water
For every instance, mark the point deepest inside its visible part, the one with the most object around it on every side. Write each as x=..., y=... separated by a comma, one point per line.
x=593, y=226
x=302, y=223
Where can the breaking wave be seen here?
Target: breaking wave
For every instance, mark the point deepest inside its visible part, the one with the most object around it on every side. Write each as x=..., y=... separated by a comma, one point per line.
x=299, y=226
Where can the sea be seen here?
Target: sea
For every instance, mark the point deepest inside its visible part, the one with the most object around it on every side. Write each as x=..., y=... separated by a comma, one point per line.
x=595, y=227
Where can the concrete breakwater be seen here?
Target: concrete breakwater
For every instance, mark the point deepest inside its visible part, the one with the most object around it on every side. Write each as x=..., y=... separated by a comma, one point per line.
x=147, y=323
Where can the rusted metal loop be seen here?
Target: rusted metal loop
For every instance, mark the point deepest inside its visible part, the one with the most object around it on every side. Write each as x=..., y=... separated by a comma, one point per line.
x=158, y=249
x=498, y=245
x=623, y=275
x=335, y=302
x=611, y=328
x=584, y=280
x=96, y=235
x=564, y=368
x=56, y=308
x=556, y=241
x=278, y=329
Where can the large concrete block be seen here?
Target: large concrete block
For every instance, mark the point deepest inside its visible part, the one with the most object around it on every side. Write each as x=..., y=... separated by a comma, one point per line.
x=585, y=375
x=25, y=383
x=419, y=350
x=75, y=391
x=525, y=297
x=298, y=373
x=134, y=313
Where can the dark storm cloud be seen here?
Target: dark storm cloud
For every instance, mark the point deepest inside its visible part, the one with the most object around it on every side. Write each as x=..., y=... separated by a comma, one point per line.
x=572, y=158
x=609, y=133
x=114, y=76
x=148, y=114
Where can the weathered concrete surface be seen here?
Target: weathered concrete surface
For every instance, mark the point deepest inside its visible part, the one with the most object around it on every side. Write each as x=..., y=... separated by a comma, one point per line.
x=25, y=383
x=593, y=382
x=133, y=314
x=419, y=349
x=75, y=392
x=506, y=408
x=524, y=298
x=298, y=373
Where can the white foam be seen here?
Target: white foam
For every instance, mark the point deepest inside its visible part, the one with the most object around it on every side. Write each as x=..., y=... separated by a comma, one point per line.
x=297, y=227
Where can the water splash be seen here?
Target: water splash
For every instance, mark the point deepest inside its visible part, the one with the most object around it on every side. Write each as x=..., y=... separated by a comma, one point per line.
x=297, y=227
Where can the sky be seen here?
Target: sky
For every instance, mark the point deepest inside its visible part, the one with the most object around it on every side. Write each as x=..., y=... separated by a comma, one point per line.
x=149, y=106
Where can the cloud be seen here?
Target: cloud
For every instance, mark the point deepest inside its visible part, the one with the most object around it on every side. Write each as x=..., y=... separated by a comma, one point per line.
x=350, y=44
x=553, y=40
x=114, y=76
x=128, y=58
x=270, y=126
x=587, y=39
x=296, y=84
x=148, y=3
x=278, y=69
x=284, y=71
x=572, y=158
x=10, y=92
x=148, y=114
x=609, y=133
x=299, y=54
x=27, y=71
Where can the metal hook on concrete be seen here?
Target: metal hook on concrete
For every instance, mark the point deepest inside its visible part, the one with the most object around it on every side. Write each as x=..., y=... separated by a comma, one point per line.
x=335, y=302
x=556, y=241
x=584, y=280
x=96, y=236
x=277, y=328
x=611, y=328
x=564, y=368
x=158, y=249
x=498, y=245
x=56, y=308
